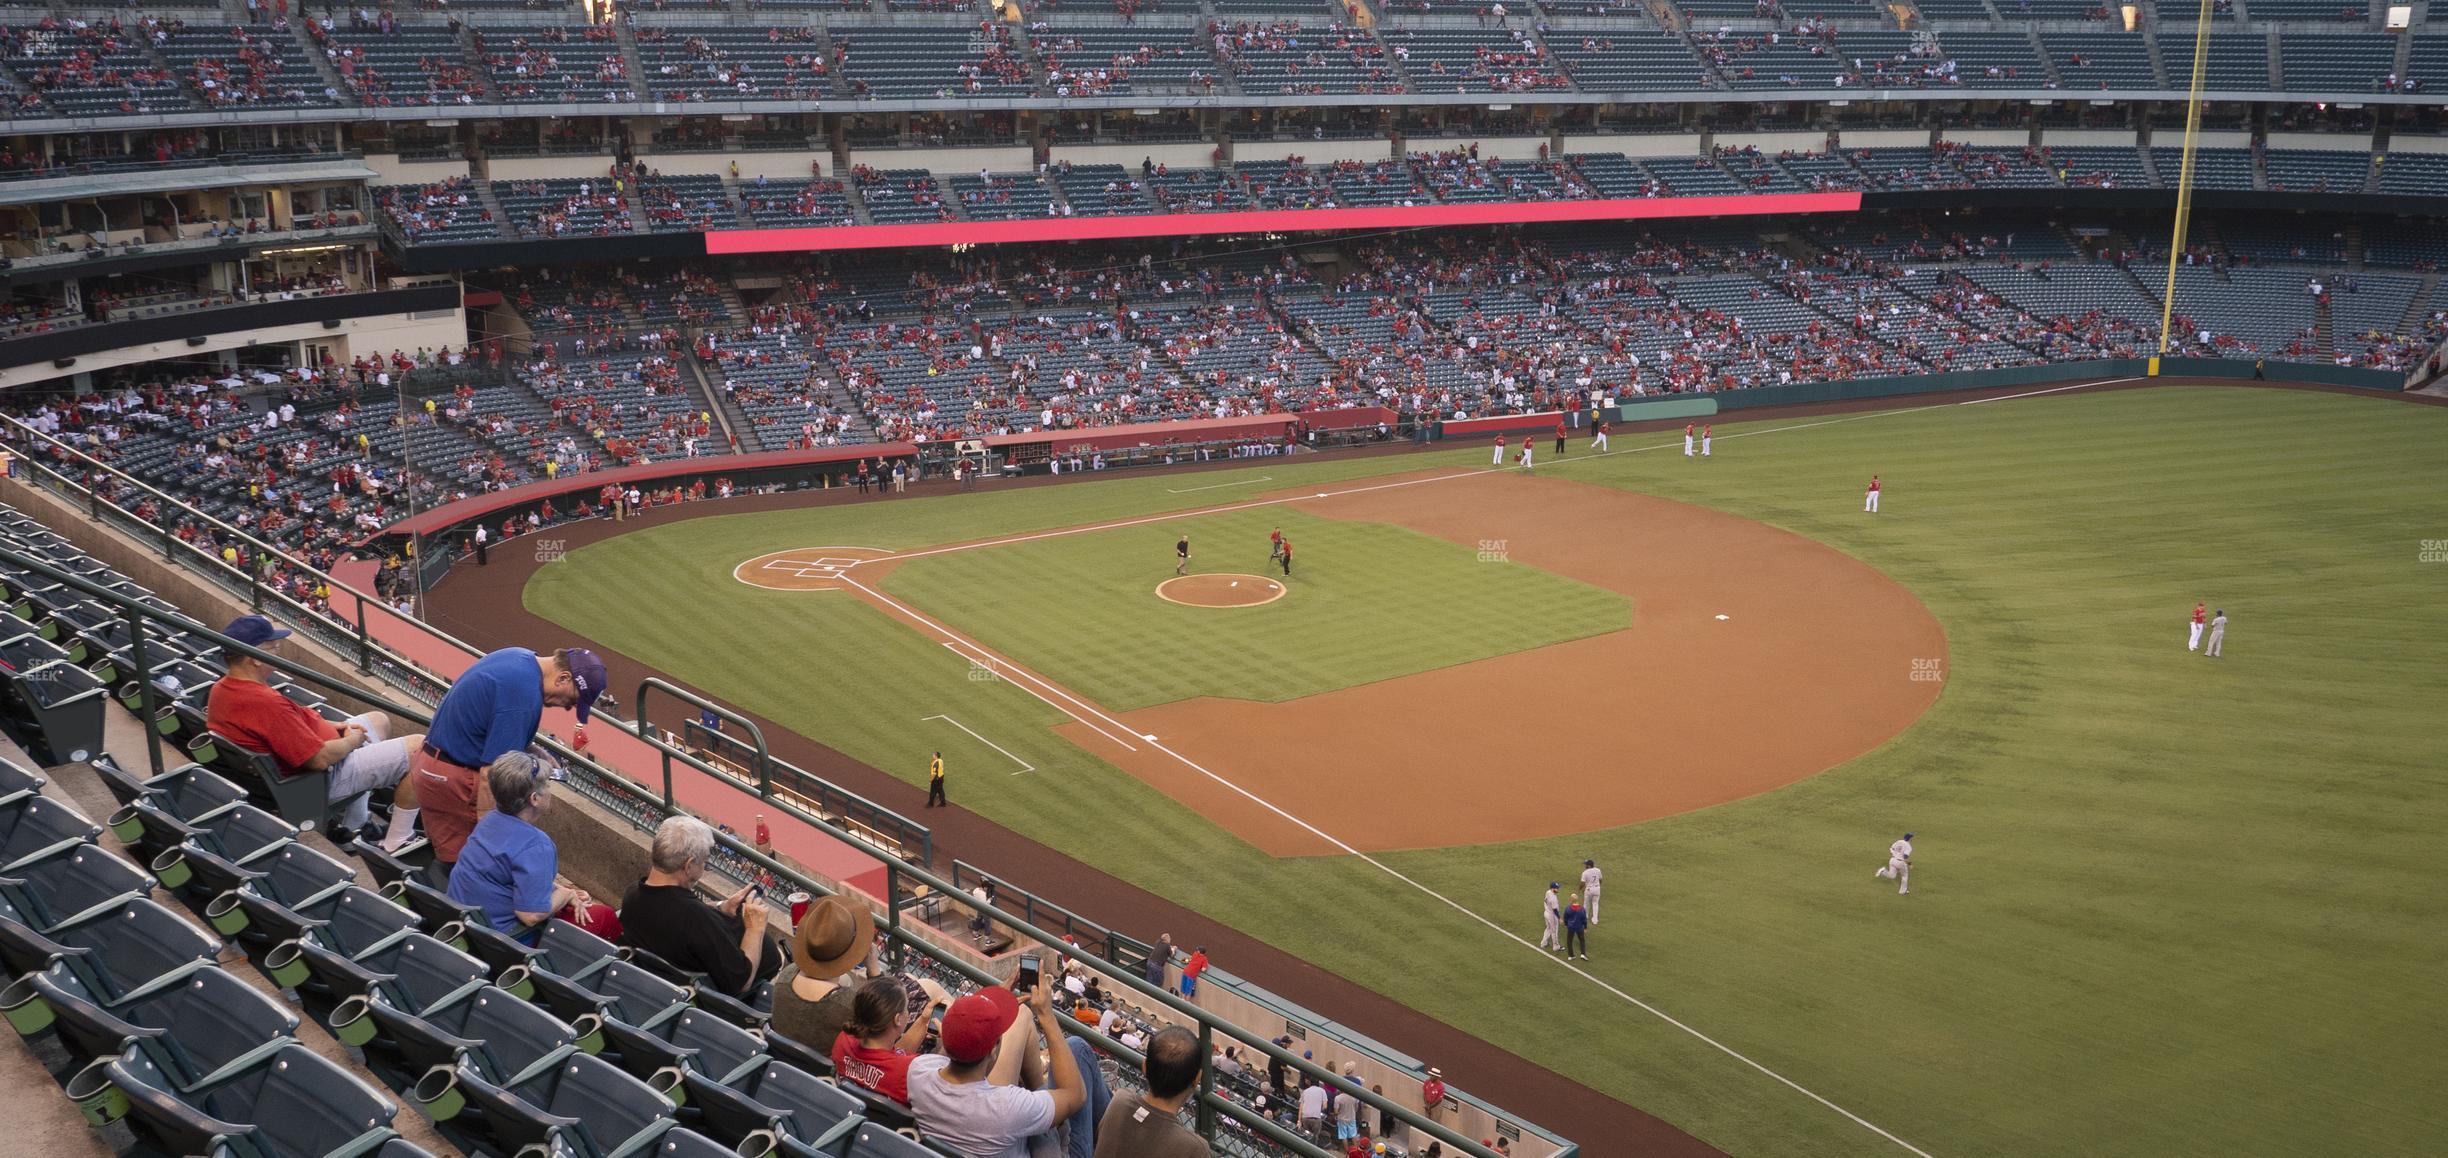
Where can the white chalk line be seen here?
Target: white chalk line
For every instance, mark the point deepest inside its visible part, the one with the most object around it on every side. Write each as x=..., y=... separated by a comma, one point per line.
x=2051, y=390
x=1222, y=485
x=998, y=662
x=1025, y=766
x=990, y=660
x=979, y=653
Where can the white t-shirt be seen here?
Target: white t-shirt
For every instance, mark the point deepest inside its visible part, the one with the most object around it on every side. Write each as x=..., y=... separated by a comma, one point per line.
x=1313, y=1102
x=1899, y=851
x=1589, y=879
x=979, y=1119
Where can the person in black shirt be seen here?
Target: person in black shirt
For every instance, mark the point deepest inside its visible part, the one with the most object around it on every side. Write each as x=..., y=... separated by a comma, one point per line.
x=663, y=915
x=1181, y=550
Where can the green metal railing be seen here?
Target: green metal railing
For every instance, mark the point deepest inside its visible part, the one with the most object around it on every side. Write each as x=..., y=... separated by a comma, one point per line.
x=901, y=941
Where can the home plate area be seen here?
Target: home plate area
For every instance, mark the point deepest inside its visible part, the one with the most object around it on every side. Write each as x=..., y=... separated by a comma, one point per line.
x=804, y=568
x=1220, y=590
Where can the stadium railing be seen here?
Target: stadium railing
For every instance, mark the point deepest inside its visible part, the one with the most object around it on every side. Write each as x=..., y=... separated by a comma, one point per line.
x=627, y=797
x=1212, y=1031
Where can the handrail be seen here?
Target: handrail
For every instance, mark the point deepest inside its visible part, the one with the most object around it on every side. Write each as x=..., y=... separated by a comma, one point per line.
x=764, y=751
x=135, y=611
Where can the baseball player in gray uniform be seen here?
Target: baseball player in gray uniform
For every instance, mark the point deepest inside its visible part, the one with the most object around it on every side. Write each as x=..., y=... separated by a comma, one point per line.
x=1553, y=939
x=2218, y=634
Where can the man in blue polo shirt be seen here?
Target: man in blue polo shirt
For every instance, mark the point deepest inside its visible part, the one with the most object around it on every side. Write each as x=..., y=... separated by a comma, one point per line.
x=493, y=707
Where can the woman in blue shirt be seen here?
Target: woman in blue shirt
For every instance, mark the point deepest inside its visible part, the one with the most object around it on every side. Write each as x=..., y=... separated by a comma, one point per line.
x=509, y=868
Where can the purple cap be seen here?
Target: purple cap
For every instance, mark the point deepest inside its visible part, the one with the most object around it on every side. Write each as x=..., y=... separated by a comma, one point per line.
x=587, y=669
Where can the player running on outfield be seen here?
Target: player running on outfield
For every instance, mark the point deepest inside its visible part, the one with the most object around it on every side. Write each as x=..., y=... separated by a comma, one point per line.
x=1899, y=865
x=1181, y=551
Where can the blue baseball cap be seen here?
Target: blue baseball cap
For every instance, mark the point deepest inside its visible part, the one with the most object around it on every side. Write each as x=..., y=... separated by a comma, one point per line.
x=254, y=630
x=587, y=669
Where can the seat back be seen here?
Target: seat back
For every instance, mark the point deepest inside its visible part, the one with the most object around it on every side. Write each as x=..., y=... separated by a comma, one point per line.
x=727, y=1114
x=356, y=919
x=83, y=878
x=811, y=1108
x=424, y=971
x=874, y=1141
x=156, y=1115
x=611, y=1108
x=722, y=1050
x=38, y=827
x=303, y=1104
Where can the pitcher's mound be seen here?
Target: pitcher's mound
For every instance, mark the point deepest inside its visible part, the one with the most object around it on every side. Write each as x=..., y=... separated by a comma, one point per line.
x=1220, y=590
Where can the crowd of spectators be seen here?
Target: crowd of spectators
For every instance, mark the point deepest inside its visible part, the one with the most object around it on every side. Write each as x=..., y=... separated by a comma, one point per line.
x=941, y=346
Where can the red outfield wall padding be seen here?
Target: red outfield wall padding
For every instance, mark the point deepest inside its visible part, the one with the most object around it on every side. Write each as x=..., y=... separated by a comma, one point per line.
x=821, y=237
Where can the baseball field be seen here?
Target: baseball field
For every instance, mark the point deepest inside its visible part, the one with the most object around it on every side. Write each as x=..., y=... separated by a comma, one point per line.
x=2161, y=904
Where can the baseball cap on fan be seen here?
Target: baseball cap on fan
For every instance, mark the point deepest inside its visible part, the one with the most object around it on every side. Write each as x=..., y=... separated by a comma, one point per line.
x=587, y=669
x=973, y=1024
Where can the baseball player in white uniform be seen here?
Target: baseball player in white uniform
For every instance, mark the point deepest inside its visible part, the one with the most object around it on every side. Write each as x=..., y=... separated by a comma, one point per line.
x=1499, y=451
x=1870, y=497
x=1589, y=888
x=1687, y=440
x=2218, y=634
x=1899, y=865
x=2201, y=616
x=1525, y=452
x=1706, y=433
x=1553, y=939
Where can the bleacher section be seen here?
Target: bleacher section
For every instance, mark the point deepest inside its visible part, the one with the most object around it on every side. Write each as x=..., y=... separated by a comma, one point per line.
x=1291, y=59
x=1149, y=58
x=888, y=61
x=1627, y=60
x=553, y=64
x=700, y=62
x=89, y=72
x=245, y=67
x=410, y=65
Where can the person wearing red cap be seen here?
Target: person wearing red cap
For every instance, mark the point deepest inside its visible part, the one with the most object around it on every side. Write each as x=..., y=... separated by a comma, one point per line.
x=968, y=1097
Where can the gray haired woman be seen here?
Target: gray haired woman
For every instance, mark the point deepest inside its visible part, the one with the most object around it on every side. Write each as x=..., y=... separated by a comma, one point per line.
x=510, y=868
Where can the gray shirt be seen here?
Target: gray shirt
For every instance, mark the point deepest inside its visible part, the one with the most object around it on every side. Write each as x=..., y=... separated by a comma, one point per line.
x=978, y=1119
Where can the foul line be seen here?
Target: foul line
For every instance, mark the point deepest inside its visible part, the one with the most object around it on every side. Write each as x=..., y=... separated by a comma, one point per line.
x=1025, y=766
x=2051, y=390
x=977, y=653
x=1222, y=485
x=990, y=660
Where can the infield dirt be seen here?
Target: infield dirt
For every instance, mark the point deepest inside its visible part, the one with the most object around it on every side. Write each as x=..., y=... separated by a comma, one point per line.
x=1756, y=657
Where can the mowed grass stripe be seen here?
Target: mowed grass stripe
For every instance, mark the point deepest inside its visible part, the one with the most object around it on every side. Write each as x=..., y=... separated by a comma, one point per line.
x=2163, y=909
x=2153, y=869
x=1366, y=602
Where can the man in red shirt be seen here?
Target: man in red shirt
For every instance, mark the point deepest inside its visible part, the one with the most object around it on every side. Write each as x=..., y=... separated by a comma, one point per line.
x=1500, y=450
x=1191, y=970
x=1705, y=432
x=1598, y=433
x=1870, y=500
x=1432, y=1095
x=253, y=715
x=1559, y=438
x=1687, y=439
x=2200, y=617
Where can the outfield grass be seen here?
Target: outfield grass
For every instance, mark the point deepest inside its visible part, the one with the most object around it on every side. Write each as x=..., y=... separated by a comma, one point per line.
x=1365, y=602
x=2163, y=905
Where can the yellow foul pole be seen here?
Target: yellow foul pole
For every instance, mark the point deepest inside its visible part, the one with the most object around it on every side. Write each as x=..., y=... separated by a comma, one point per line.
x=2184, y=178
